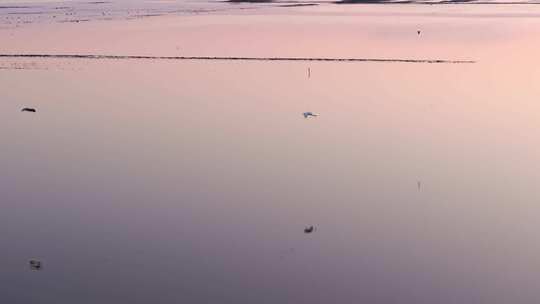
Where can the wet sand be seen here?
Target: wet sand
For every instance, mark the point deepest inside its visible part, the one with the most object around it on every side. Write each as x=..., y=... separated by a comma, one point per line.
x=142, y=180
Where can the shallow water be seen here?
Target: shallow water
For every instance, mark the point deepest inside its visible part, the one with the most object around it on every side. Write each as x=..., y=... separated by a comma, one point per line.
x=192, y=181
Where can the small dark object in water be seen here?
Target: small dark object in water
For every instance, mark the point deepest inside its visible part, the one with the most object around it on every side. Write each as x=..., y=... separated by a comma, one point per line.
x=309, y=229
x=418, y=32
x=28, y=110
x=36, y=265
x=309, y=114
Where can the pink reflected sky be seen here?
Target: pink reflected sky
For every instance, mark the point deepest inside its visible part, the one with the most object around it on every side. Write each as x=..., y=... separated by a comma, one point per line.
x=141, y=181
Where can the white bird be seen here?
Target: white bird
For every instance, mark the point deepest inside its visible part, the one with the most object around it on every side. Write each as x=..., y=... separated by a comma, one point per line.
x=308, y=114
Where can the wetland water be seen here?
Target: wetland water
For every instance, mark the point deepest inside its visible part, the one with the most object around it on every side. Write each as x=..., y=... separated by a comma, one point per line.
x=141, y=181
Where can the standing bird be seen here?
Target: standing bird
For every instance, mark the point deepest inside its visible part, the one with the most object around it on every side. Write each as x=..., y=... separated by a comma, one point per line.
x=28, y=110
x=309, y=114
x=419, y=184
x=309, y=229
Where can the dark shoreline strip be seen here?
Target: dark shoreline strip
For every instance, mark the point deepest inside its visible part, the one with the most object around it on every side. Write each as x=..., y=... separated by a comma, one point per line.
x=75, y=56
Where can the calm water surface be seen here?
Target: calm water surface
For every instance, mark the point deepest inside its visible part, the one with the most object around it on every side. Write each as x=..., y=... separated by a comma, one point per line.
x=144, y=181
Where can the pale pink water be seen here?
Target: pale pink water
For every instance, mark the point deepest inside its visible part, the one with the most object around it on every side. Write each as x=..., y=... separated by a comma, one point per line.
x=147, y=181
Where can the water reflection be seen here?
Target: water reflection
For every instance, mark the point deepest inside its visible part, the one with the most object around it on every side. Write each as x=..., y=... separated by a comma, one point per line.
x=191, y=181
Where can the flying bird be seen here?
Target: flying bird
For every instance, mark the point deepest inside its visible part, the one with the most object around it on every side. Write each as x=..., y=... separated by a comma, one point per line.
x=28, y=110
x=309, y=114
x=309, y=229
